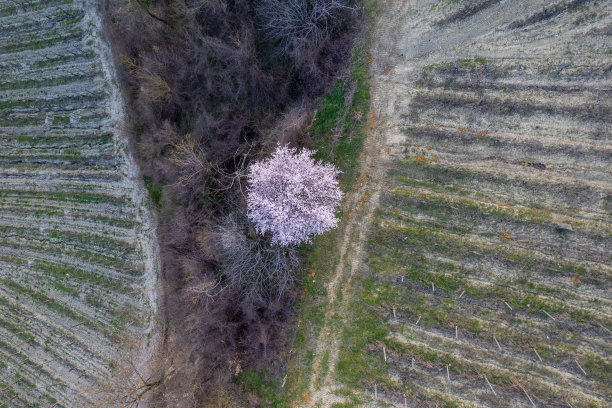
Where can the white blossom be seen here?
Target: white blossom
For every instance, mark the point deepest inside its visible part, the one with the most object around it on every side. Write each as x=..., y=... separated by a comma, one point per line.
x=292, y=196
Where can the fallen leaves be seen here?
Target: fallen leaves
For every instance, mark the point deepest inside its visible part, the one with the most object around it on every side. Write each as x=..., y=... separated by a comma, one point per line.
x=372, y=118
x=538, y=166
x=363, y=179
x=506, y=236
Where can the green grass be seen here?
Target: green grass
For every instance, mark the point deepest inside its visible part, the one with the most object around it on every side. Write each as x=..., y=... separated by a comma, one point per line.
x=23, y=121
x=75, y=20
x=8, y=11
x=262, y=384
x=76, y=282
x=65, y=196
x=17, y=330
x=86, y=242
x=155, y=191
x=418, y=252
x=61, y=120
x=63, y=272
x=311, y=311
x=52, y=304
x=407, y=253
x=32, y=43
x=323, y=370
x=339, y=127
x=52, y=62
x=8, y=105
x=358, y=365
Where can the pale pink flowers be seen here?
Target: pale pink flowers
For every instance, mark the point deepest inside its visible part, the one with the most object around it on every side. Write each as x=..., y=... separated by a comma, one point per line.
x=292, y=196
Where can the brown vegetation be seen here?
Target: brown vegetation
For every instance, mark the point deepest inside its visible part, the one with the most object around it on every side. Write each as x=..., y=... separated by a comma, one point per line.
x=203, y=84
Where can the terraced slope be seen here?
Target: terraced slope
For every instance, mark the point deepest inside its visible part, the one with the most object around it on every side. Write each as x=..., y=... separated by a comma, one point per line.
x=77, y=252
x=486, y=277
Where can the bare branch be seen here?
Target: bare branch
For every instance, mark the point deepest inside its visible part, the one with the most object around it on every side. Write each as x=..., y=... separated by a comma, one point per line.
x=293, y=22
x=191, y=161
x=251, y=264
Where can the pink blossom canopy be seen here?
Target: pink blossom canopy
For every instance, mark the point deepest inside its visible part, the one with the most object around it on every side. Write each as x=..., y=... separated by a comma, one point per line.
x=292, y=196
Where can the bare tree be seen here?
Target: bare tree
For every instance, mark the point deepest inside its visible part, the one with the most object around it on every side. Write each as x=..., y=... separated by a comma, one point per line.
x=190, y=159
x=154, y=87
x=294, y=22
x=251, y=264
x=204, y=289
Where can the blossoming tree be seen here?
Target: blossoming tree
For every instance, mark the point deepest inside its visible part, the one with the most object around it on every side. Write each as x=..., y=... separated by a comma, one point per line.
x=292, y=196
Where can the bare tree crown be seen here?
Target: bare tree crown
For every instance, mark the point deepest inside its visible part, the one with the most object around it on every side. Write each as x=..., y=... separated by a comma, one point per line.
x=289, y=22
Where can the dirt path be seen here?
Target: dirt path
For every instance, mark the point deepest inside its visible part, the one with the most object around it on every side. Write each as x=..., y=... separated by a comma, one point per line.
x=360, y=203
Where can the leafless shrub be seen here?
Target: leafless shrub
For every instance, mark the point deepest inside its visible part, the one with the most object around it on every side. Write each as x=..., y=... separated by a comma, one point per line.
x=190, y=159
x=202, y=291
x=205, y=238
x=251, y=264
x=291, y=128
x=151, y=146
x=318, y=66
x=153, y=86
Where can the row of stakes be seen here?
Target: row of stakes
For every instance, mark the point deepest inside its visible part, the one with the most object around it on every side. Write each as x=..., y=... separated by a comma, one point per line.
x=496, y=342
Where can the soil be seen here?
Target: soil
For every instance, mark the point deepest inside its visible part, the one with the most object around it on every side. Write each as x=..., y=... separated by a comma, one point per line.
x=526, y=54
x=79, y=257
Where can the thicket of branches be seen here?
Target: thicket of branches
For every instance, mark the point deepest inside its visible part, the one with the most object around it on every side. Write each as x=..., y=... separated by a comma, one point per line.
x=296, y=24
x=205, y=80
x=261, y=271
